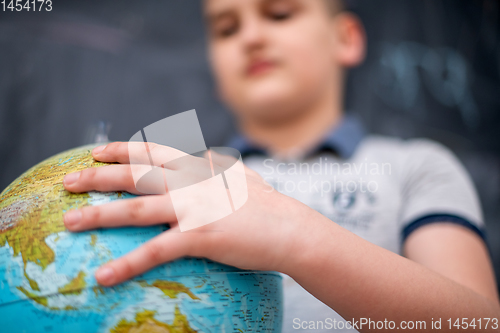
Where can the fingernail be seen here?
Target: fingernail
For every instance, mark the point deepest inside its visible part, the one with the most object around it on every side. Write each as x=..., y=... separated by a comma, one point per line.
x=105, y=275
x=72, y=217
x=97, y=150
x=71, y=178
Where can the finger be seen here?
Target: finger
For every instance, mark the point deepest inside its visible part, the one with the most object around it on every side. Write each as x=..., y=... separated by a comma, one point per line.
x=223, y=162
x=142, y=211
x=147, y=153
x=219, y=162
x=188, y=162
x=116, y=177
x=166, y=247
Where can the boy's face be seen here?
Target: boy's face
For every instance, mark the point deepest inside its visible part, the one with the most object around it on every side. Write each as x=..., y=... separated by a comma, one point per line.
x=272, y=58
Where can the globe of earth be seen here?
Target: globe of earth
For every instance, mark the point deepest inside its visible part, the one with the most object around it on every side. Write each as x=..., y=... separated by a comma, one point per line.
x=47, y=279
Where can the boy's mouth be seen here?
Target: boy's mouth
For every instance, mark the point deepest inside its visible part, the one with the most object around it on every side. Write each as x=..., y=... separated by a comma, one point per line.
x=259, y=66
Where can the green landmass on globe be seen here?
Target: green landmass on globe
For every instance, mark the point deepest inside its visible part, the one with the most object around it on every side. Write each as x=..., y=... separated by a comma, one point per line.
x=47, y=279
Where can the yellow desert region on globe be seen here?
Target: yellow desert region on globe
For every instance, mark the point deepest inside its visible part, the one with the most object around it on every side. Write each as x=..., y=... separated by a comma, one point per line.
x=47, y=279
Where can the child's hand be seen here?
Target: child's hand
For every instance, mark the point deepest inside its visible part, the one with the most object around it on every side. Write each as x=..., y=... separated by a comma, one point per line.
x=260, y=235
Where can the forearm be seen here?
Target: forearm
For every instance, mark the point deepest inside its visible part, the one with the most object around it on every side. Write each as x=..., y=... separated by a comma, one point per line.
x=361, y=280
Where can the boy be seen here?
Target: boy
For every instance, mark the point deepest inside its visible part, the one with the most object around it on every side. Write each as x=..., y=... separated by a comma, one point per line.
x=353, y=203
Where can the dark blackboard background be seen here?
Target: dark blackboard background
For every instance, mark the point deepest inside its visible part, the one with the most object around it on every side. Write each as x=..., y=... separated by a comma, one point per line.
x=432, y=70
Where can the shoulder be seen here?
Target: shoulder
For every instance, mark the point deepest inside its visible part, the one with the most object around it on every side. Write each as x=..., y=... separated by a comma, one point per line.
x=410, y=153
x=403, y=147
x=416, y=160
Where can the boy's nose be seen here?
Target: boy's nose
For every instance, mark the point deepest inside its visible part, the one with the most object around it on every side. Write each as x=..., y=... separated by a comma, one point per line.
x=252, y=33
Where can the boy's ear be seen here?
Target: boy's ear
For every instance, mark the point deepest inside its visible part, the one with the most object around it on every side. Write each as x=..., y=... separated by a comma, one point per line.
x=350, y=40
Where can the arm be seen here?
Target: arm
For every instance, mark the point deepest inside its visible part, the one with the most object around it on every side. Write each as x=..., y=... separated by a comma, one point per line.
x=456, y=253
x=274, y=232
x=363, y=280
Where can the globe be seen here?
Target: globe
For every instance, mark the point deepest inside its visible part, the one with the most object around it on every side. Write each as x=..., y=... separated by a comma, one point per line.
x=47, y=279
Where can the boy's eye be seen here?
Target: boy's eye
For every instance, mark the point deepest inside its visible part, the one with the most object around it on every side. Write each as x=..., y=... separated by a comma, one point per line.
x=280, y=10
x=225, y=27
x=280, y=16
x=227, y=31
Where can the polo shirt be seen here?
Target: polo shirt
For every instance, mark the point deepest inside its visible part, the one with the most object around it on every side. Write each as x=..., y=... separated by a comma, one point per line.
x=380, y=188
